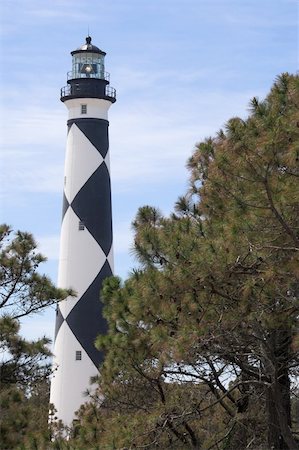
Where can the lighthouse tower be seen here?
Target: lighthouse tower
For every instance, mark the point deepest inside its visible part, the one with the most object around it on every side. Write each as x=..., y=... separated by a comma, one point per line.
x=86, y=257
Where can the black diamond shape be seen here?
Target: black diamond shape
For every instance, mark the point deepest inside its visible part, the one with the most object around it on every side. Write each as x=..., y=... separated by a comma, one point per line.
x=92, y=205
x=96, y=131
x=69, y=126
x=86, y=320
x=59, y=321
x=65, y=205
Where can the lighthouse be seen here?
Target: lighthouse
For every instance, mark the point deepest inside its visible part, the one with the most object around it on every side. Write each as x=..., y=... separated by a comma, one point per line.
x=86, y=257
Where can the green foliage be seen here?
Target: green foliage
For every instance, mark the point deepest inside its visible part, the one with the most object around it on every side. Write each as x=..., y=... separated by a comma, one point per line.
x=24, y=365
x=23, y=290
x=203, y=336
x=24, y=362
x=24, y=418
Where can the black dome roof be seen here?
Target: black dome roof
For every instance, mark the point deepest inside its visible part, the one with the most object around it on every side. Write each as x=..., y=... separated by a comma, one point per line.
x=88, y=47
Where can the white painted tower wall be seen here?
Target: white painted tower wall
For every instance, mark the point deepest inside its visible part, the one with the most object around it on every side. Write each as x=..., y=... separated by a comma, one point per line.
x=81, y=260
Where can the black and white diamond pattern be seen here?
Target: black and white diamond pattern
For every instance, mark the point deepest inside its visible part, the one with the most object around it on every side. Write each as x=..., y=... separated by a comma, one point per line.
x=86, y=327
x=85, y=256
x=91, y=205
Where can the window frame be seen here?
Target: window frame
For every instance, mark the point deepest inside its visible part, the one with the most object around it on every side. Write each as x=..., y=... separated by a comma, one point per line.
x=78, y=355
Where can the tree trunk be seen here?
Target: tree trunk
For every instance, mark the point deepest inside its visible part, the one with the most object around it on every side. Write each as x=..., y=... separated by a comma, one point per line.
x=275, y=439
x=278, y=395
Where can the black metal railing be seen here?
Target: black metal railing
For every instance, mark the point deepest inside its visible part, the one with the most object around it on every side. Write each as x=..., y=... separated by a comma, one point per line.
x=110, y=92
x=78, y=90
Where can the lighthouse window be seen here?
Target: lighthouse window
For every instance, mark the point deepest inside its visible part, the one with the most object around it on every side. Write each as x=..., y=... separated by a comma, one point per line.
x=78, y=355
x=81, y=225
x=83, y=109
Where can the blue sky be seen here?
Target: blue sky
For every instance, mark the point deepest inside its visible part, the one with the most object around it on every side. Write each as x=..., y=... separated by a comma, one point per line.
x=180, y=68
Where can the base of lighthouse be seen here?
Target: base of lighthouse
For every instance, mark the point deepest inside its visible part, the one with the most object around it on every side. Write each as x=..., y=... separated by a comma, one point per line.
x=86, y=256
x=71, y=378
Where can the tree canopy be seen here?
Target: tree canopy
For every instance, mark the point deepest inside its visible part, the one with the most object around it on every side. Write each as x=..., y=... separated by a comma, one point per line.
x=25, y=365
x=202, y=347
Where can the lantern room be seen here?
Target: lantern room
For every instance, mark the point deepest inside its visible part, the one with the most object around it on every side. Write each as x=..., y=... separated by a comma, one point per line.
x=88, y=78
x=88, y=61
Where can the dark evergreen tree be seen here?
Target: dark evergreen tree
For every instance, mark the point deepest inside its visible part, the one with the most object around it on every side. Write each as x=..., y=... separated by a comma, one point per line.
x=202, y=348
x=24, y=365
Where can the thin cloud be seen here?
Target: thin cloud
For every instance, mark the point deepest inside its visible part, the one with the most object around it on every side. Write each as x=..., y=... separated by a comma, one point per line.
x=151, y=139
x=250, y=18
x=60, y=13
x=59, y=9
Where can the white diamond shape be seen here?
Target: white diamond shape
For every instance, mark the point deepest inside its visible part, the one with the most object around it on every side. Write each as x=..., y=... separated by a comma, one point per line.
x=81, y=259
x=107, y=161
x=81, y=161
x=71, y=378
x=111, y=259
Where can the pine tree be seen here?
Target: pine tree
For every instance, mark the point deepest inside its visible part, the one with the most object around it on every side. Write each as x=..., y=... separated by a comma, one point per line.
x=25, y=365
x=202, y=344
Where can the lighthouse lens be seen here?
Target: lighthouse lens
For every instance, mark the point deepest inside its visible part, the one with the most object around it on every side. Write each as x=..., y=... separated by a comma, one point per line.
x=88, y=65
x=88, y=69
